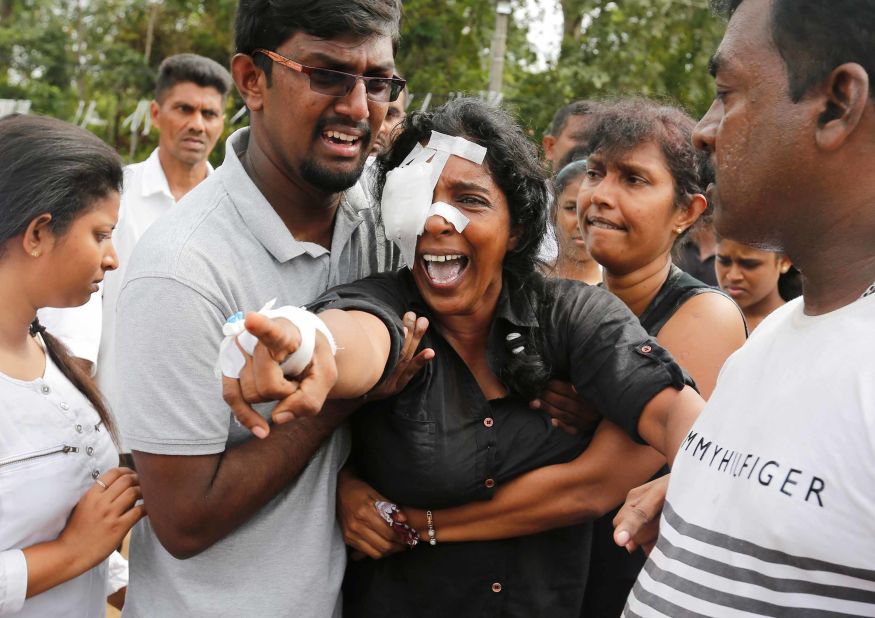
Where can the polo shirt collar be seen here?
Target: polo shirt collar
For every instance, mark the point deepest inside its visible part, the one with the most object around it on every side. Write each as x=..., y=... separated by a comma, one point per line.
x=154, y=181
x=260, y=217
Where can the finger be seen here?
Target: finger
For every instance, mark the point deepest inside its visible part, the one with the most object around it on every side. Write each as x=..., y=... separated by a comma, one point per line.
x=269, y=380
x=128, y=498
x=278, y=335
x=571, y=431
x=120, y=484
x=109, y=477
x=243, y=412
x=132, y=516
x=246, y=377
x=408, y=348
x=561, y=387
x=414, y=366
x=315, y=384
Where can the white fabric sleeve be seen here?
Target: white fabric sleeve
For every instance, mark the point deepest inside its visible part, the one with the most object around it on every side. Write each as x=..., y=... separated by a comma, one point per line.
x=116, y=573
x=13, y=581
x=78, y=328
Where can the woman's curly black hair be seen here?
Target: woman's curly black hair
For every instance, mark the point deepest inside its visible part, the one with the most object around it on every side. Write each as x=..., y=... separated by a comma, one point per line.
x=513, y=162
x=511, y=159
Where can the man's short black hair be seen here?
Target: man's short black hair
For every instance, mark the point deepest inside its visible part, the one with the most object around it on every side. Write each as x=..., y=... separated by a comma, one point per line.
x=578, y=108
x=815, y=36
x=268, y=23
x=204, y=72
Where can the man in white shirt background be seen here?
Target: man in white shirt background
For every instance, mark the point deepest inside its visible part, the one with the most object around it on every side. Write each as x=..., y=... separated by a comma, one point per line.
x=188, y=111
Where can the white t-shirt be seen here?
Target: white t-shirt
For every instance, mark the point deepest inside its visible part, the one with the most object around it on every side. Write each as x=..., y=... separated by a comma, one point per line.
x=771, y=506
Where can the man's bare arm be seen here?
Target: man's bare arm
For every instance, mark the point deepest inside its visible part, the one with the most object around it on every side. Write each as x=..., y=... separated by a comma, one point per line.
x=195, y=501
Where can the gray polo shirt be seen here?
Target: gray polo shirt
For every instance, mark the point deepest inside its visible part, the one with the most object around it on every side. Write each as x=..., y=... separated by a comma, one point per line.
x=226, y=250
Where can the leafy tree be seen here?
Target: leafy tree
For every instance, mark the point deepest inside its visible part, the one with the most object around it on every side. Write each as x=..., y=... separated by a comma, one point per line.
x=657, y=48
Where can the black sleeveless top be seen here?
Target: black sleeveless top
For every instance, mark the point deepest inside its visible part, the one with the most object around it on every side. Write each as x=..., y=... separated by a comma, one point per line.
x=613, y=571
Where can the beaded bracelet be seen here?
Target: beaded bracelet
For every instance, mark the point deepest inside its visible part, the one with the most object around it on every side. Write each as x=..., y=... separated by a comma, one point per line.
x=432, y=533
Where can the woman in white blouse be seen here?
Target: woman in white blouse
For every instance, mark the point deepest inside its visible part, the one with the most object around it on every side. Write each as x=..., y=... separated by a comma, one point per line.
x=64, y=504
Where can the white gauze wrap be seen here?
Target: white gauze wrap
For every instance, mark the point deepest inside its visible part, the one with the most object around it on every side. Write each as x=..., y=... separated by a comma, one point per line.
x=231, y=360
x=407, y=195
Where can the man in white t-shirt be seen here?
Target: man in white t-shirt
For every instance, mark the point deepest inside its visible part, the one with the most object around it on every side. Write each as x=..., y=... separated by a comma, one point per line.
x=771, y=505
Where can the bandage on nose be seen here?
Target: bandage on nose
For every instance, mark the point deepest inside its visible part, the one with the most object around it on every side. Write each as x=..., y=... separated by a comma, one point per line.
x=407, y=195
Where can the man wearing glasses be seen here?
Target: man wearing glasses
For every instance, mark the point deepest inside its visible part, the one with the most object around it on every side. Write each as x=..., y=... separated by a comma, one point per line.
x=242, y=526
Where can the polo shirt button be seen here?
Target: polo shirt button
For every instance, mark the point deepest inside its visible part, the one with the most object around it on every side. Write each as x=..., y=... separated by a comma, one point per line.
x=78, y=428
x=65, y=405
x=488, y=422
x=95, y=473
x=89, y=451
x=496, y=587
x=490, y=483
x=45, y=389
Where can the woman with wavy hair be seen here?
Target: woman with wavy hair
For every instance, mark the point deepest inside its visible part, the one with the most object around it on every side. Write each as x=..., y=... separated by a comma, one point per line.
x=65, y=506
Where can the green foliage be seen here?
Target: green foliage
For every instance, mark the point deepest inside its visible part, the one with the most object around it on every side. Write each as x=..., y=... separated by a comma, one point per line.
x=60, y=52
x=655, y=48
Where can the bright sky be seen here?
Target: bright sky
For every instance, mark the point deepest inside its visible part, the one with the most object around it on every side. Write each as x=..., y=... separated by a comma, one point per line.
x=545, y=27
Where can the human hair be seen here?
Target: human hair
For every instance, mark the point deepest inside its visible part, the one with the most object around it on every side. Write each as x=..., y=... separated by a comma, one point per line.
x=512, y=161
x=565, y=177
x=625, y=124
x=815, y=36
x=267, y=24
x=50, y=166
x=199, y=70
x=577, y=108
x=577, y=153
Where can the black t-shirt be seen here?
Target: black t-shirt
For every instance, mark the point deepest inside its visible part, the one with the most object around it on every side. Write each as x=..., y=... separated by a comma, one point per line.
x=441, y=443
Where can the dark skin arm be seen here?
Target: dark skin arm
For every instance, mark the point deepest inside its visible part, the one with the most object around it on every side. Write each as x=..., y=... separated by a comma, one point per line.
x=195, y=501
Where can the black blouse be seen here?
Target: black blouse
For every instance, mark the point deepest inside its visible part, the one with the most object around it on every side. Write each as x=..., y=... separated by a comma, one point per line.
x=441, y=443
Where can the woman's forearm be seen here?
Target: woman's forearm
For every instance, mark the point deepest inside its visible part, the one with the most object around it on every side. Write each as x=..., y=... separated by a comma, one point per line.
x=51, y=564
x=552, y=496
x=363, y=346
x=667, y=419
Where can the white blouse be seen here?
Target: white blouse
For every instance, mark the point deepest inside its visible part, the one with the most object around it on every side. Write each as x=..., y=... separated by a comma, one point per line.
x=52, y=447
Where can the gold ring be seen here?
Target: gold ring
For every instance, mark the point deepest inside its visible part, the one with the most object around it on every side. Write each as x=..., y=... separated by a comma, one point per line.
x=101, y=483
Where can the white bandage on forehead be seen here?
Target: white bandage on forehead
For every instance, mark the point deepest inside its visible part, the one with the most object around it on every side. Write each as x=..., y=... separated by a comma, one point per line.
x=407, y=195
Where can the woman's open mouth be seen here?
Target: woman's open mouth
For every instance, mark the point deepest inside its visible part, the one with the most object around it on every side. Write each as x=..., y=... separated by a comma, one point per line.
x=444, y=270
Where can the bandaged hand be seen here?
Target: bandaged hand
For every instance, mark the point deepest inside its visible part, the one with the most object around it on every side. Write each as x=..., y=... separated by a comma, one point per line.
x=262, y=377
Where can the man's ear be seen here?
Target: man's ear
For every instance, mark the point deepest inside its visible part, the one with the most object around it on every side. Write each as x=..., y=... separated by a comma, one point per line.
x=549, y=143
x=845, y=95
x=154, y=112
x=38, y=237
x=688, y=214
x=250, y=80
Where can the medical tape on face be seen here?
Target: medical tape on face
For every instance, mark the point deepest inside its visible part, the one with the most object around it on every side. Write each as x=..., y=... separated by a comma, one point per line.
x=231, y=359
x=407, y=194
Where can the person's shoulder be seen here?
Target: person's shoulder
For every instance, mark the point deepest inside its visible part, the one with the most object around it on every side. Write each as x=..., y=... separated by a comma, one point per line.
x=201, y=224
x=709, y=310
